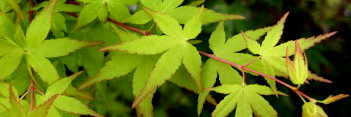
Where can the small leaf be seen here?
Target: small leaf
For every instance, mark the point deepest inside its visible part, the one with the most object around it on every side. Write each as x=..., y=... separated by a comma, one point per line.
x=145, y=45
x=152, y=4
x=165, y=67
x=169, y=4
x=310, y=109
x=117, y=10
x=312, y=76
x=40, y=26
x=140, y=17
x=184, y=13
x=102, y=13
x=7, y=28
x=59, y=47
x=332, y=98
x=88, y=14
x=59, y=86
x=246, y=100
x=167, y=24
x=71, y=105
x=280, y=50
x=273, y=36
x=42, y=110
x=192, y=62
x=119, y=65
x=251, y=44
x=217, y=38
x=192, y=28
x=43, y=67
x=9, y=63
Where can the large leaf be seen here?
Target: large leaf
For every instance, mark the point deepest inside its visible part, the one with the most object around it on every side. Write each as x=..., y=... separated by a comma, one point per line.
x=40, y=26
x=245, y=99
x=59, y=47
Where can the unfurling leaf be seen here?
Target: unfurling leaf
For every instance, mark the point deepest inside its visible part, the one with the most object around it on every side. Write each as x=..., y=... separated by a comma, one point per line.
x=310, y=109
x=297, y=69
x=332, y=98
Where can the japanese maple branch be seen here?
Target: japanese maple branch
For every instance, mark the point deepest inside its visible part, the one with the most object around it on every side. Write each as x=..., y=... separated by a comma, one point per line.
x=214, y=57
x=259, y=73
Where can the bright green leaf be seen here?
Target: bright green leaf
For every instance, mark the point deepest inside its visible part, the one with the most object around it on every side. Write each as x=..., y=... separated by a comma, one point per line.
x=184, y=13
x=192, y=28
x=245, y=99
x=88, y=14
x=152, y=4
x=102, y=13
x=42, y=110
x=273, y=36
x=192, y=62
x=71, y=105
x=169, y=4
x=59, y=86
x=145, y=45
x=117, y=10
x=43, y=67
x=61, y=47
x=167, y=24
x=9, y=63
x=165, y=67
x=217, y=38
x=139, y=17
x=119, y=65
x=280, y=50
x=40, y=26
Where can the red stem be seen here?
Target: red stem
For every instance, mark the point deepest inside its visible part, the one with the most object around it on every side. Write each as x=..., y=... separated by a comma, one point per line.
x=31, y=12
x=259, y=73
x=214, y=57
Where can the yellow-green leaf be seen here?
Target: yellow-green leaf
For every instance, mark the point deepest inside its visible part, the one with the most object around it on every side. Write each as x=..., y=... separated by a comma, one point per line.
x=40, y=26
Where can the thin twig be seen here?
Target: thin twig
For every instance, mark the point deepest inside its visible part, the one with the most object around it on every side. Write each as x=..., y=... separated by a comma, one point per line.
x=31, y=12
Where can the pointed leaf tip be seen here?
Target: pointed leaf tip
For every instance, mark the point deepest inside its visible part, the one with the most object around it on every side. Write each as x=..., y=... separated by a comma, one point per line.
x=332, y=98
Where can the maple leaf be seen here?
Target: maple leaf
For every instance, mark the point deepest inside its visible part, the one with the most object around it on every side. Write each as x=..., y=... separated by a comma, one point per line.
x=173, y=45
x=33, y=46
x=272, y=55
x=246, y=100
x=225, y=49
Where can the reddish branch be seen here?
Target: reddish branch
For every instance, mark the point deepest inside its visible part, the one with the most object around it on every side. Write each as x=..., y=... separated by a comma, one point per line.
x=31, y=12
x=241, y=67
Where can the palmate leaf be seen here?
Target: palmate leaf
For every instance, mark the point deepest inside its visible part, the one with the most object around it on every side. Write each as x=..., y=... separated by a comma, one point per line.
x=273, y=56
x=246, y=100
x=176, y=51
x=224, y=49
